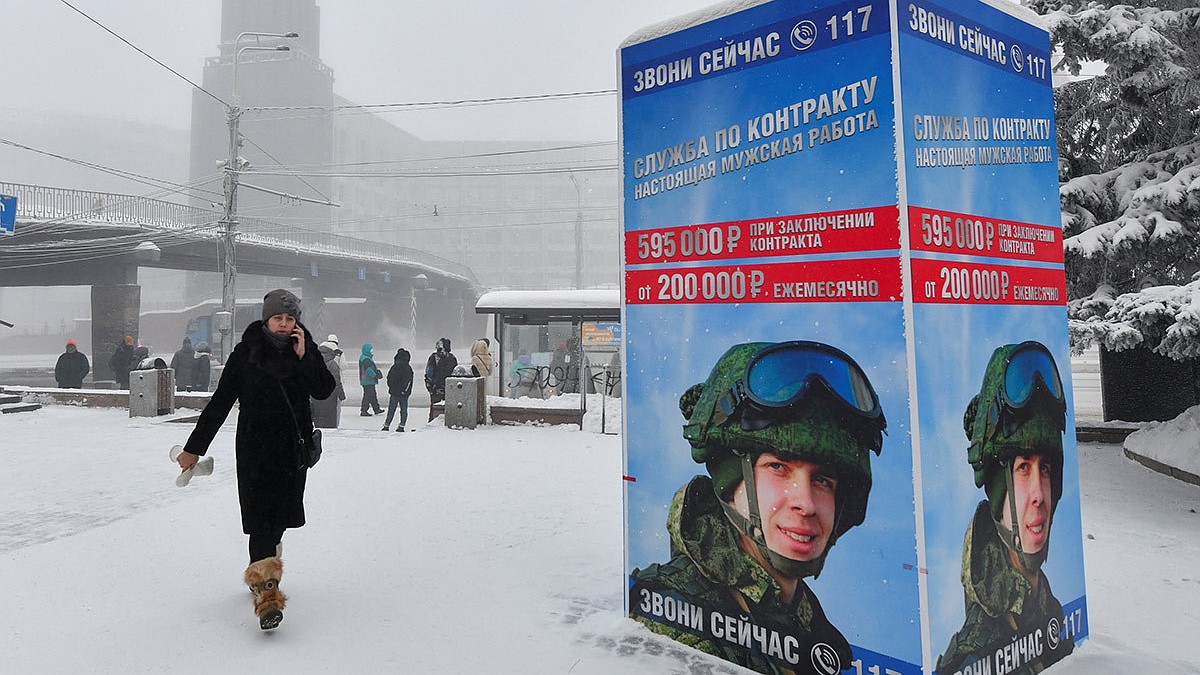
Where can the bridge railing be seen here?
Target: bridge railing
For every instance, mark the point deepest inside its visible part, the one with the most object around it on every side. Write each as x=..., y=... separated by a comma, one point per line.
x=68, y=205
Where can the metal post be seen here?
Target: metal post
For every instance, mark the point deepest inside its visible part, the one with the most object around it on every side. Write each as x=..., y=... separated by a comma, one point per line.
x=233, y=165
x=412, y=316
x=581, y=366
x=604, y=402
x=578, y=231
x=229, y=224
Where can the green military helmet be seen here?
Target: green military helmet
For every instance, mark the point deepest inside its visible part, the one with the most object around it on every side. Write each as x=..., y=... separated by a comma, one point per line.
x=1020, y=410
x=797, y=400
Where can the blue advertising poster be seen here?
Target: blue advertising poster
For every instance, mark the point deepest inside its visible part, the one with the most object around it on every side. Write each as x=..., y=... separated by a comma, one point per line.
x=998, y=470
x=847, y=371
x=769, y=493
x=8, y=214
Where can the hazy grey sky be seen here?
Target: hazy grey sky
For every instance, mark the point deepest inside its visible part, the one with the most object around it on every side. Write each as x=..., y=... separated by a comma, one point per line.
x=381, y=51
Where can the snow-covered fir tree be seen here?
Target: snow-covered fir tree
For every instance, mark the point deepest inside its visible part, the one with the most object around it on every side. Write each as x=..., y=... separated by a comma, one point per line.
x=1130, y=164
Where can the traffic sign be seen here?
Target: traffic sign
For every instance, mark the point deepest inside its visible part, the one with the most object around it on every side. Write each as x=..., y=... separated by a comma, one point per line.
x=8, y=214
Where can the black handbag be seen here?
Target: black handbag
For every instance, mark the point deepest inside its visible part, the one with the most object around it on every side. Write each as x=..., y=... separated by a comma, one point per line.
x=309, y=449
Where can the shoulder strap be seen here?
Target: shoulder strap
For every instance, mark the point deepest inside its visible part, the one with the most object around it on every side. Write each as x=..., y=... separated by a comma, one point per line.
x=288, y=403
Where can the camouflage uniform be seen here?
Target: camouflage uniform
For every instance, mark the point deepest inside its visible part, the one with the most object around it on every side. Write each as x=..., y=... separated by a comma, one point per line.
x=709, y=568
x=1000, y=602
x=1002, y=606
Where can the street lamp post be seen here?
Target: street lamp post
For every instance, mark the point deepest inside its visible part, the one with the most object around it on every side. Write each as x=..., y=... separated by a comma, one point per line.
x=229, y=219
x=578, y=230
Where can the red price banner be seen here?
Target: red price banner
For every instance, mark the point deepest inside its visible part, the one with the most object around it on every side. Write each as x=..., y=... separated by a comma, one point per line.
x=870, y=229
x=863, y=280
x=961, y=233
x=937, y=281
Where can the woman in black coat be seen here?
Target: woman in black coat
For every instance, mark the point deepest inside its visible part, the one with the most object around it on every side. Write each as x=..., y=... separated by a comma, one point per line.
x=275, y=359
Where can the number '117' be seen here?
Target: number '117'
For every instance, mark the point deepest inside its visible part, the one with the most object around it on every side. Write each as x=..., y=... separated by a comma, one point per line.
x=856, y=664
x=848, y=20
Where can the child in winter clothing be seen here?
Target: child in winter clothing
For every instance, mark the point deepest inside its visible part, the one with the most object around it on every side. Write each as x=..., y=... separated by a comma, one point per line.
x=399, y=381
x=368, y=377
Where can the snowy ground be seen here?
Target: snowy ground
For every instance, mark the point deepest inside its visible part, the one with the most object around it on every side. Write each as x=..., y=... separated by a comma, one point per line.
x=437, y=551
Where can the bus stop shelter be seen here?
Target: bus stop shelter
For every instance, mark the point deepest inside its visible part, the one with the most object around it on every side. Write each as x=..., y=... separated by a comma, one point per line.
x=556, y=342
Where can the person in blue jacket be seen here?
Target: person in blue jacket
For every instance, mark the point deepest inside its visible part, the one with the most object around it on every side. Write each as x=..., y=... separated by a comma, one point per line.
x=368, y=377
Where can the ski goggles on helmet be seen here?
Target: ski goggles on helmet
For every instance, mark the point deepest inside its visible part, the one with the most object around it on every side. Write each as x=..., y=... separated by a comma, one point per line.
x=1030, y=370
x=1031, y=383
x=782, y=376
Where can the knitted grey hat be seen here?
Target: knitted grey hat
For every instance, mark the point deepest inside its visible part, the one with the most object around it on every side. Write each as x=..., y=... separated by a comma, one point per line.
x=280, y=301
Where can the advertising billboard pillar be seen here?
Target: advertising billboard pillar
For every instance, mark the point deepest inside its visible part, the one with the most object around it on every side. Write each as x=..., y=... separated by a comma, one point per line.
x=849, y=434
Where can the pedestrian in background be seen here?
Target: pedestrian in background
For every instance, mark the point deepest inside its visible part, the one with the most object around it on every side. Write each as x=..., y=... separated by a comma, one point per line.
x=368, y=377
x=71, y=368
x=482, y=363
x=271, y=374
x=341, y=360
x=202, y=367
x=121, y=362
x=400, y=382
x=327, y=413
x=182, y=364
x=437, y=368
x=141, y=359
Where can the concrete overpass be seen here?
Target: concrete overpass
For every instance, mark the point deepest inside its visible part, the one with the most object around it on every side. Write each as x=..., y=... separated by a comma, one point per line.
x=66, y=237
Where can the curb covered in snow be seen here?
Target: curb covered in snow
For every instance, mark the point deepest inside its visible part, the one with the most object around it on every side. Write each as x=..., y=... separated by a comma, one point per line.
x=1185, y=476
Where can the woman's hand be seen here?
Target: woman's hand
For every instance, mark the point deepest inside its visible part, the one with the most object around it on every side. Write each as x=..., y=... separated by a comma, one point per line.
x=187, y=460
x=298, y=340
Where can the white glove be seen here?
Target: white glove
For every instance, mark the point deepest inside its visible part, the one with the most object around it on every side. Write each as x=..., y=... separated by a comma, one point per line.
x=203, y=468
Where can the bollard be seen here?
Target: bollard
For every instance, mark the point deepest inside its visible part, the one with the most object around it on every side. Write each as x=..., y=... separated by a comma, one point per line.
x=151, y=392
x=466, y=402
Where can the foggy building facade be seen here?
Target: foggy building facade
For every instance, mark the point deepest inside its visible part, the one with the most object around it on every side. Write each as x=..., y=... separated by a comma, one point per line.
x=530, y=215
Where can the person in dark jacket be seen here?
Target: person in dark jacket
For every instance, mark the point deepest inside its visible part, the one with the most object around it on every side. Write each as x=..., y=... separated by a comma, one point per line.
x=121, y=362
x=438, y=367
x=141, y=359
x=271, y=374
x=327, y=414
x=400, y=382
x=564, y=368
x=182, y=364
x=368, y=377
x=71, y=368
x=201, y=367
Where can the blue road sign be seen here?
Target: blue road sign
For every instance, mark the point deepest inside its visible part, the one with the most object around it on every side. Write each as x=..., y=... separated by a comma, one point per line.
x=8, y=214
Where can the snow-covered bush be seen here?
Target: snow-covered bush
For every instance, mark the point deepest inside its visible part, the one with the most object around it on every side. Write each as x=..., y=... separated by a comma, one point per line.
x=1129, y=146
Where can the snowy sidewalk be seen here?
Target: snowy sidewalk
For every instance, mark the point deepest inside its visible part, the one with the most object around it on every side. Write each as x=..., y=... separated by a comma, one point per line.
x=437, y=551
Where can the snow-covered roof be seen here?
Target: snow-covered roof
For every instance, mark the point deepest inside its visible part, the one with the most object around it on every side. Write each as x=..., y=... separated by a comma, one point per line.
x=721, y=9
x=688, y=20
x=495, y=302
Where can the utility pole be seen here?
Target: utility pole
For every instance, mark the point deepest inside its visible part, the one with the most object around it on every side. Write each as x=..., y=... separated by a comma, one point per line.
x=578, y=231
x=229, y=219
x=229, y=223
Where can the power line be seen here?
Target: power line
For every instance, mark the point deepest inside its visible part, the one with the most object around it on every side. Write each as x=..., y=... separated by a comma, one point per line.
x=289, y=171
x=466, y=173
x=120, y=173
x=430, y=105
x=185, y=79
x=144, y=53
x=478, y=155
